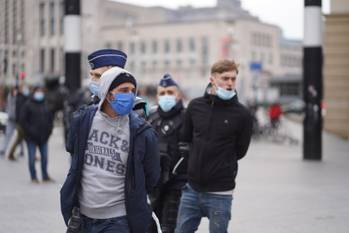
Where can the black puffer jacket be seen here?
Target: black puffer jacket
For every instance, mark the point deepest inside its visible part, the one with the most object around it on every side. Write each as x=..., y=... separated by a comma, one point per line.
x=219, y=132
x=37, y=121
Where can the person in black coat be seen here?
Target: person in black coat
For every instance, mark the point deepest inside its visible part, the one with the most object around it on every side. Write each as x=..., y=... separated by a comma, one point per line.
x=218, y=128
x=167, y=121
x=37, y=123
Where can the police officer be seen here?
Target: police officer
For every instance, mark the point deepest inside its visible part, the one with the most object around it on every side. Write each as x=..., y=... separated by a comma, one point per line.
x=167, y=121
x=100, y=61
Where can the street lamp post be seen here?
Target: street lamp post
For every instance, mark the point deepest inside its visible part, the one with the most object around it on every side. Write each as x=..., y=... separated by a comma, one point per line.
x=72, y=44
x=312, y=80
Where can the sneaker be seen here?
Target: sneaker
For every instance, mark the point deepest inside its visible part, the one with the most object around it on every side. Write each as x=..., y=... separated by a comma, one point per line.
x=35, y=181
x=48, y=180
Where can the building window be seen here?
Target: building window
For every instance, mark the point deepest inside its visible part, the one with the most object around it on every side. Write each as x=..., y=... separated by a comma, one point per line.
x=52, y=60
x=154, y=46
x=143, y=47
x=108, y=45
x=132, y=65
x=132, y=47
x=52, y=18
x=191, y=44
x=179, y=62
x=42, y=18
x=14, y=22
x=253, y=56
x=167, y=46
x=179, y=46
x=270, y=59
x=14, y=68
x=204, y=50
x=22, y=22
x=154, y=64
x=143, y=65
x=262, y=58
x=5, y=62
x=61, y=16
x=120, y=45
x=42, y=60
x=6, y=23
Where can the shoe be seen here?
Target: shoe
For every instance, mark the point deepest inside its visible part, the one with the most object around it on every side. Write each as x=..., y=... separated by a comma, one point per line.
x=12, y=158
x=48, y=180
x=35, y=181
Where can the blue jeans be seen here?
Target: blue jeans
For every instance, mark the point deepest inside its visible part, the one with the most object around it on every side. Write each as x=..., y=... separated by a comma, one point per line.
x=110, y=225
x=31, y=158
x=195, y=205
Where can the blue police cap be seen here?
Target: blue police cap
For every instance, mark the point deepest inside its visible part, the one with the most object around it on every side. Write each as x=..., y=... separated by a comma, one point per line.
x=167, y=81
x=107, y=57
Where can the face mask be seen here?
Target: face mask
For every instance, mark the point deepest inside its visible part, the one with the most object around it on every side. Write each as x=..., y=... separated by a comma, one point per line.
x=39, y=96
x=93, y=86
x=167, y=102
x=122, y=103
x=225, y=94
x=25, y=91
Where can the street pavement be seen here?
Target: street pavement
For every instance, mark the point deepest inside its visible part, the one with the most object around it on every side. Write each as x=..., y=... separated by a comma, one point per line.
x=277, y=191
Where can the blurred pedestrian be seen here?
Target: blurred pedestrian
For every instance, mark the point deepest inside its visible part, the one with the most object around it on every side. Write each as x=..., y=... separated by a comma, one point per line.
x=21, y=98
x=167, y=121
x=141, y=107
x=275, y=113
x=114, y=161
x=219, y=130
x=11, y=122
x=37, y=123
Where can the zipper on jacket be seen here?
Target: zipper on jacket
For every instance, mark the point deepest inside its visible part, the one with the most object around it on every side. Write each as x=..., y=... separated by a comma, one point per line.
x=207, y=138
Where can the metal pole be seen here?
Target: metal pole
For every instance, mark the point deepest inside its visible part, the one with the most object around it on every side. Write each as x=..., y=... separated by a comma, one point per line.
x=72, y=44
x=312, y=80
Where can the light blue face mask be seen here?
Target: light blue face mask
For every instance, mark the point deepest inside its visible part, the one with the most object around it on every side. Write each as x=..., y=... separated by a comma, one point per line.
x=225, y=94
x=94, y=87
x=39, y=96
x=25, y=91
x=122, y=103
x=167, y=102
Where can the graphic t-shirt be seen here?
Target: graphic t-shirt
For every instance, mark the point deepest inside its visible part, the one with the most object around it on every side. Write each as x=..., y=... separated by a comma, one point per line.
x=104, y=170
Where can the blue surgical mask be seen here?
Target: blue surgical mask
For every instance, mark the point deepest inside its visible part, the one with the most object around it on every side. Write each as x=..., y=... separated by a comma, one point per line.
x=167, y=102
x=39, y=96
x=25, y=91
x=94, y=87
x=225, y=94
x=122, y=103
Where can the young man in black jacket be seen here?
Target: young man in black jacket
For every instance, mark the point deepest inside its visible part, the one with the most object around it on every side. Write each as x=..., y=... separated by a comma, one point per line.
x=219, y=130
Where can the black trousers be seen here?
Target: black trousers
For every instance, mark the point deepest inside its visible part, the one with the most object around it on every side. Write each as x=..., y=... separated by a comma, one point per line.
x=165, y=203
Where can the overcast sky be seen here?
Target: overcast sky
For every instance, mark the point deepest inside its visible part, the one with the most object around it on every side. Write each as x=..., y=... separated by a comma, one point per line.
x=288, y=14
